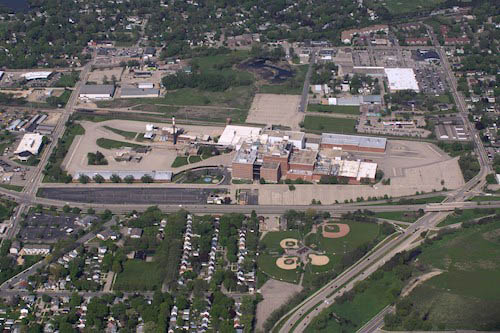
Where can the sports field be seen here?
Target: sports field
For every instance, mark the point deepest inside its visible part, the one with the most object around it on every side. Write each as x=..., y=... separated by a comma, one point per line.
x=467, y=294
x=267, y=264
x=272, y=239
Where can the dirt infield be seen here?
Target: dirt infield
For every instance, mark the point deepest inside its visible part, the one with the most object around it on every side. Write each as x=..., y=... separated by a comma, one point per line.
x=318, y=260
x=287, y=263
x=343, y=230
x=289, y=243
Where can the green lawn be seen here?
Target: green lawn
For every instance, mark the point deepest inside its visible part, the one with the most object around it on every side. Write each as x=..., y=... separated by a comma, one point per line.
x=345, y=109
x=485, y=198
x=126, y=134
x=194, y=159
x=399, y=216
x=139, y=275
x=180, y=161
x=412, y=201
x=267, y=264
x=328, y=124
x=273, y=238
x=466, y=215
x=113, y=144
x=11, y=187
x=293, y=86
x=6, y=209
x=364, y=306
x=467, y=294
x=68, y=79
x=398, y=7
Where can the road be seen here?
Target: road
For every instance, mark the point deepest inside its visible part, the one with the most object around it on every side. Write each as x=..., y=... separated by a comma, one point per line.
x=305, y=90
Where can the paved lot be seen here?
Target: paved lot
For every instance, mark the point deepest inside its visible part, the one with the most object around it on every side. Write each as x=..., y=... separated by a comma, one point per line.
x=132, y=195
x=159, y=158
x=275, y=294
x=272, y=109
x=46, y=227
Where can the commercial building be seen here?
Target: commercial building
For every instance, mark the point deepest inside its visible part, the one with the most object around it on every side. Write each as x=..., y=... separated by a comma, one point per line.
x=353, y=142
x=36, y=76
x=347, y=35
x=29, y=146
x=139, y=93
x=401, y=79
x=97, y=92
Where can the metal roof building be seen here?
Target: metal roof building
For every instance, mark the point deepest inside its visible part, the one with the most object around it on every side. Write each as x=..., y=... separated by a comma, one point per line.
x=401, y=79
x=97, y=91
x=353, y=142
x=36, y=75
x=138, y=92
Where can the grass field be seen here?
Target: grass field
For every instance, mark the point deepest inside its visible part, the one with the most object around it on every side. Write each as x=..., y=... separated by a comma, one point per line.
x=180, y=161
x=362, y=308
x=327, y=124
x=324, y=268
x=359, y=234
x=480, y=198
x=399, y=216
x=126, y=134
x=11, y=187
x=267, y=264
x=397, y=7
x=466, y=215
x=293, y=86
x=412, y=201
x=467, y=294
x=273, y=238
x=139, y=275
x=345, y=109
x=113, y=144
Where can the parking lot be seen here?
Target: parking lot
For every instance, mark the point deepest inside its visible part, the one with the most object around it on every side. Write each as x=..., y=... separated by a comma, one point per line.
x=48, y=228
x=130, y=195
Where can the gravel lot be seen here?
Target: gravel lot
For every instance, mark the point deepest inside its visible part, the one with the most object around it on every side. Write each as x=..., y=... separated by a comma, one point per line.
x=272, y=109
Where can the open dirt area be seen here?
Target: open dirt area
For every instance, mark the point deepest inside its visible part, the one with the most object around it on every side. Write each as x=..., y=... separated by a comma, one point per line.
x=98, y=75
x=287, y=263
x=160, y=157
x=343, y=230
x=275, y=294
x=273, y=109
x=318, y=260
x=289, y=243
x=415, y=282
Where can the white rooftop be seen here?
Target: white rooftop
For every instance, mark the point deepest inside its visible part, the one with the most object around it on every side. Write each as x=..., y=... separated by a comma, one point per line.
x=30, y=142
x=233, y=134
x=36, y=75
x=401, y=79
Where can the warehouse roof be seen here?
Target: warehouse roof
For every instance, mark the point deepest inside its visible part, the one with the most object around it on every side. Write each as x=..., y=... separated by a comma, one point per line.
x=401, y=79
x=30, y=143
x=233, y=134
x=139, y=92
x=97, y=89
x=354, y=140
x=36, y=75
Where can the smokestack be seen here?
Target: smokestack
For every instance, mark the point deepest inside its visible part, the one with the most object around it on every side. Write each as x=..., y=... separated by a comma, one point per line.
x=174, y=131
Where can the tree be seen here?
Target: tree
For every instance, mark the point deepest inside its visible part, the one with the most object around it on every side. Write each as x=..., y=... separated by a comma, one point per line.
x=98, y=179
x=83, y=179
x=129, y=179
x=117, y=266
x=146, y=179
x=115, y=178
x=66, y=208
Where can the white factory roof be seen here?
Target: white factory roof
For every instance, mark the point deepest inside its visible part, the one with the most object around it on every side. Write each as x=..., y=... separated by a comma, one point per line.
x=353, y=140
x=233, y=134
x=401, y=79
x=30, y=142
x=36, y=75
x=357, y=169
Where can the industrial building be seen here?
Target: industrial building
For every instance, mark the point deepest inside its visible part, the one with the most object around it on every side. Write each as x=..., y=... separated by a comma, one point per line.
x=401, y=79
x=36, y=76
x=353, y=142
x=274, y=155
x=139, y=92
x=97, y=92
x=29, y=146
